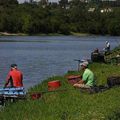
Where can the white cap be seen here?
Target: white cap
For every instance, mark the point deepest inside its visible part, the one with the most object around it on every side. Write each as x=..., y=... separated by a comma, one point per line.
x=85, y=63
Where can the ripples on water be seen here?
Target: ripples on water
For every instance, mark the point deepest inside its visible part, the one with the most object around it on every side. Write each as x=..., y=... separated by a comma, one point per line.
x=42, y=57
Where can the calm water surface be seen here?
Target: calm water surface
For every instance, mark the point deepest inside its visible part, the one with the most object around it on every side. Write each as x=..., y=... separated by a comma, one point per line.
x=41, y=57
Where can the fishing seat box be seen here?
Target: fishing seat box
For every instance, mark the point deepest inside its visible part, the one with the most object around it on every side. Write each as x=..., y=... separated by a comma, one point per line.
x=113, y=81
x=97, y=57
x=72, y=79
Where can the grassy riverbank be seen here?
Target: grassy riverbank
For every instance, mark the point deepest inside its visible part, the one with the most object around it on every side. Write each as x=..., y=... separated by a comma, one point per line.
x=70, y=104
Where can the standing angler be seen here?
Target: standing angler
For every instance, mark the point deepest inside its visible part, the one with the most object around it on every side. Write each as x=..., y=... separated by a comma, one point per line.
x=107, y=48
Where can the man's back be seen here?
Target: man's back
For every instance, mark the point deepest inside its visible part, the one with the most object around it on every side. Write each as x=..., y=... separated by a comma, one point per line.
x=88, y=77
x=16, y=77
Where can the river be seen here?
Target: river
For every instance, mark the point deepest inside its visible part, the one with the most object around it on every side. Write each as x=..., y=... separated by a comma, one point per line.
x=40, y=57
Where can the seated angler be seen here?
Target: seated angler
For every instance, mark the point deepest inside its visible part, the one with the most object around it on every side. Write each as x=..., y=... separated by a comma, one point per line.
x=14, y=78
x=87, y=80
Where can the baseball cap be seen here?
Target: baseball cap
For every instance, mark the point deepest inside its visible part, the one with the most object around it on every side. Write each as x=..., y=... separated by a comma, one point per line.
x=13, y=65
x=85, y=63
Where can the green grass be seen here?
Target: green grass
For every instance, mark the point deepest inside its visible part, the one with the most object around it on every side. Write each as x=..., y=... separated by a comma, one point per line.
x=71, y=104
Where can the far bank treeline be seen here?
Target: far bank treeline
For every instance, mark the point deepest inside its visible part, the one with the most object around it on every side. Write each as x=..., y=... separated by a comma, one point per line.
x=63, y=18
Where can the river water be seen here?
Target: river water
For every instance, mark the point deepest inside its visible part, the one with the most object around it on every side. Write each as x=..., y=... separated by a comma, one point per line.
x=40, y=57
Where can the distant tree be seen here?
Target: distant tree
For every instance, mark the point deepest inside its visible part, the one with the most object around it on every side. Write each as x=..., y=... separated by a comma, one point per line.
x=63, y=3
x=43, y=2
x=114, y=27
x=64, y=29
x=31, y=1
x=8, y=2
x=2, y=22
x=27, y=20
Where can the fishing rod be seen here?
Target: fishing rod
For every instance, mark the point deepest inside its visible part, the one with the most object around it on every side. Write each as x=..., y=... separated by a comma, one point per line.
x=81, y=61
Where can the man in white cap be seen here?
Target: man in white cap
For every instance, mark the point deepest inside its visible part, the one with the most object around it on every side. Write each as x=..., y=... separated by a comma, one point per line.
x=87, y=80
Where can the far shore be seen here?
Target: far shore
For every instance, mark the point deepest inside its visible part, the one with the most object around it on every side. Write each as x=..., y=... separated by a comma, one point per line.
x=12, y=34
x=42, y=34
x=51, y=34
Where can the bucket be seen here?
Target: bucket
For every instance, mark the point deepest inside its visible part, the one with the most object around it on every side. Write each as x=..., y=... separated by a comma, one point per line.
x=35, y=96
x=53, y=85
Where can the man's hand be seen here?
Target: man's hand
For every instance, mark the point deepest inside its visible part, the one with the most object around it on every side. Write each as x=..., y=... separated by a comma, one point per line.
x=80, y=82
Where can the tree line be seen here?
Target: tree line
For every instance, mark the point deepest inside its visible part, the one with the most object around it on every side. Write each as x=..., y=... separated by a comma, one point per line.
x=62, y=18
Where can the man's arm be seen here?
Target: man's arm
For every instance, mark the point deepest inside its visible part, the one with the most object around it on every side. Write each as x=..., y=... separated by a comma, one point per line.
x=22, y=79
x=80, y=82
x=7, y=80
